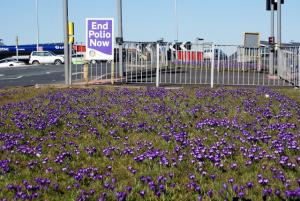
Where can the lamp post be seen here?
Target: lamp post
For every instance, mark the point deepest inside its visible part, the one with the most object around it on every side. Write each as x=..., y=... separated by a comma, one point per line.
x=120, y=36
x=279, y=22
x=37, y=25
x=176, y=18
x=272, y=36
x=66, y=41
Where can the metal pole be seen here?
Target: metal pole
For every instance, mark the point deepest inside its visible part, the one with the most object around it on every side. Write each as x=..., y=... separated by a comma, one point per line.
x=120, y=34
x=272, y=35
x=37, y=26
x=66, y=40
x=212, y=66
x=112, y=78
x=299, y=67
x=176, y=17
x=279, y=59
x=279, y=23
x=70, y=63
x=157, y=65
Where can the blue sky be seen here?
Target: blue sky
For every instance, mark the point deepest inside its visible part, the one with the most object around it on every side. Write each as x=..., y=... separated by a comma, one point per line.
x=220, y=21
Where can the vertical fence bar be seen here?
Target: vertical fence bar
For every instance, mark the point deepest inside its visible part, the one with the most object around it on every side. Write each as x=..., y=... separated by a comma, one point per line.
x=299, y=66
x=243, y=64
x=260, y=53
x=126, y=63
x=238, y=63
x=212, y=66
x=218, y=69
x=157, y=65
x=196, y=65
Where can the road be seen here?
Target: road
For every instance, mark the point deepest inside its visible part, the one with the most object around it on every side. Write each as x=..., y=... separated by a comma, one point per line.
x=51, y=74
x=46, y=74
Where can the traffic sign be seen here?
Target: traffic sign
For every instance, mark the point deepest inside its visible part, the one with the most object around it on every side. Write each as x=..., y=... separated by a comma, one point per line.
x=99, y=38
x=274, y=2
x=271, y=40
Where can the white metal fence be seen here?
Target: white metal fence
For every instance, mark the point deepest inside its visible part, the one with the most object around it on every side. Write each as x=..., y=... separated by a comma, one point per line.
x=207, y=64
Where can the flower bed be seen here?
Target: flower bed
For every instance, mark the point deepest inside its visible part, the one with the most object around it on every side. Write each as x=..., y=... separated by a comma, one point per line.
x=150, y=144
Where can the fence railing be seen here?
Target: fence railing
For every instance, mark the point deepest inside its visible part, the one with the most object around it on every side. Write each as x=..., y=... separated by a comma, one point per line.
x=207, y=64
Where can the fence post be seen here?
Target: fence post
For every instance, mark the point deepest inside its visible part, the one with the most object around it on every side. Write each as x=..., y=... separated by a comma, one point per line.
x=112, y=77
x=212, y=66
x=157, y=65
x=279, y=63
x=86, y=72
x=299, y=67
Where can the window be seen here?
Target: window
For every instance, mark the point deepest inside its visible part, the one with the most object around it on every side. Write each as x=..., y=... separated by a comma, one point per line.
x=40, y=54
x=47, y=54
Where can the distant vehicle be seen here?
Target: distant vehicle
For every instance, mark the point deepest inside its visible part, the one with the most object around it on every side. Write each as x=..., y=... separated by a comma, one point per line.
x=208, y=54
x=25, y=50
x=77, y=59
x=10, y=63
x=219, y=54
x=45, y=57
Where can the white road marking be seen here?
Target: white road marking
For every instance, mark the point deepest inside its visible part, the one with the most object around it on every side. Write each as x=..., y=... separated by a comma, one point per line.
x=13, y=78
x=77, y=73
x=1, y=75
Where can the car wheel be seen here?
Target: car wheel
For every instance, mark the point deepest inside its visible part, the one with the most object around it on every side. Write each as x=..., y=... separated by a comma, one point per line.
x=11, y=65
x=58, y=62
x=35, y=63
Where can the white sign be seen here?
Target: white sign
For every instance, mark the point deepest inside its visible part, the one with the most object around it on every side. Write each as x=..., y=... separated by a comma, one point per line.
x=99, y=39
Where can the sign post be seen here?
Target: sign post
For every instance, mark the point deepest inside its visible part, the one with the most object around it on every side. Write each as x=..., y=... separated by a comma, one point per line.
x=66, y=41
x=71, y=42
x=100, y=40
x=120, y=37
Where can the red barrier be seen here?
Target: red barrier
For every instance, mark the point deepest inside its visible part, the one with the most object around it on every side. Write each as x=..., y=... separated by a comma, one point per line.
x=189, y=56
x=79, y=48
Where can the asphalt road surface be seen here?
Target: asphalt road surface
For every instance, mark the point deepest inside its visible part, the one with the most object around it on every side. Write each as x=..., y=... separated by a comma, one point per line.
x=46, y=74
x=52, y=74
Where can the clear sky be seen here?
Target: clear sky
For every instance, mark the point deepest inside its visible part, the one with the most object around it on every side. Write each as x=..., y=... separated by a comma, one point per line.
x=220, y=21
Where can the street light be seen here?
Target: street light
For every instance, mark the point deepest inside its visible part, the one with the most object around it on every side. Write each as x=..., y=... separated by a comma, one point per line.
x=37, y=25
x=66, y=42
x=120, y=36
x=176, y=18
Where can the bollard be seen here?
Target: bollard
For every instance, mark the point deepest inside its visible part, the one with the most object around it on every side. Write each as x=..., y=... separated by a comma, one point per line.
x=86, y=72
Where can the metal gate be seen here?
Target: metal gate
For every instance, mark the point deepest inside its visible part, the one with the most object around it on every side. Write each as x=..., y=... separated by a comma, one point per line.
x=206, y=63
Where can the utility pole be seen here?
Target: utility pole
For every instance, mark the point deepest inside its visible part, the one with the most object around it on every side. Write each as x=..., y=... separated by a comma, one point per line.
x=37, y=26
x=279, y=58
x=120, y=36
x=279, y=23
x=176, y=18
x=66, y=41
x=272, y=35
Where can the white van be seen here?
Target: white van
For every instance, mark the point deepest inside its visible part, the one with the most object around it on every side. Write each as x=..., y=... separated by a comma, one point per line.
x=45, y=57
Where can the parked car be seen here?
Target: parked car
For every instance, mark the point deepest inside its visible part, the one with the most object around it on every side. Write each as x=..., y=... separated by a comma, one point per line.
x=77, y=59
x=10, y=63
x=45, y=57
x=219, y=54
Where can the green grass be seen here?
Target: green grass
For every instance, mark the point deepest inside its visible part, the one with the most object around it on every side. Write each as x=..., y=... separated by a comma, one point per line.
x=146, y=120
